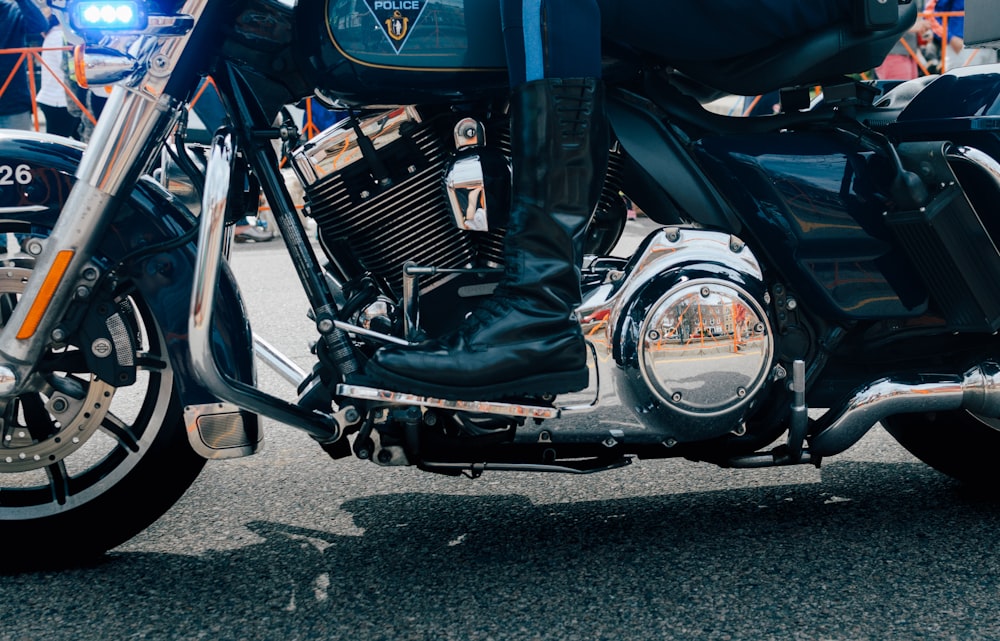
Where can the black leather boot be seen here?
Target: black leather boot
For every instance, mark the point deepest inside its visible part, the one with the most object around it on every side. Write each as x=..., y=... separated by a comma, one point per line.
x=526, y=339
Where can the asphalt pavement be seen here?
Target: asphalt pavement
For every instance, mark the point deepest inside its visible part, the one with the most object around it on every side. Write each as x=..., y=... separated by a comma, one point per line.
x=290, y=545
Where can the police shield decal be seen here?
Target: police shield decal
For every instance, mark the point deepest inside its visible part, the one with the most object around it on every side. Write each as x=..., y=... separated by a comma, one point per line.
x=396, y=18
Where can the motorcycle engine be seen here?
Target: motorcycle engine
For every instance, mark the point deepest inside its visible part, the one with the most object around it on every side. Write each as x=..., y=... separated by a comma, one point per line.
x=382, y=190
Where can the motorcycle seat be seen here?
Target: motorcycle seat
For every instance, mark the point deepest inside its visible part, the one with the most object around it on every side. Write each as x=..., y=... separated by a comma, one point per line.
x=827, y=54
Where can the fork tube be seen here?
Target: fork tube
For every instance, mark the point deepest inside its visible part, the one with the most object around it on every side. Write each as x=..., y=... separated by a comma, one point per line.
x=132, y=127
x=131, y=130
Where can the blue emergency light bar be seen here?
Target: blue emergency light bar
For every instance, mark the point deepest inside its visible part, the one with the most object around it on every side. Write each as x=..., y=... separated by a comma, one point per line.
x=109, y=15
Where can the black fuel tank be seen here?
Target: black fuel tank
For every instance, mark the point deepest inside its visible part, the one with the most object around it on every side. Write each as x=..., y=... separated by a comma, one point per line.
x=401, y=51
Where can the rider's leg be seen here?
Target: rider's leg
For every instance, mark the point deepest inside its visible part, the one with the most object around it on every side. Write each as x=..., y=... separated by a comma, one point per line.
x=526, y=339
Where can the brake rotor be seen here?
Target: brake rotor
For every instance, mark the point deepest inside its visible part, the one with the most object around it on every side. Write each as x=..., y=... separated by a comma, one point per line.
x=76, y=407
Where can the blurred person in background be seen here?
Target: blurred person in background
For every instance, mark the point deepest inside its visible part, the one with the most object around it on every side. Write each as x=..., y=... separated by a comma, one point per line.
x=954, y=53
x=901, y=64
x=17, y=19
x=52, y=96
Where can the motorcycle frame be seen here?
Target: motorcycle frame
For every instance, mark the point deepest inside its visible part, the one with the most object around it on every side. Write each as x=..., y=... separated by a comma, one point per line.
x=138, y=117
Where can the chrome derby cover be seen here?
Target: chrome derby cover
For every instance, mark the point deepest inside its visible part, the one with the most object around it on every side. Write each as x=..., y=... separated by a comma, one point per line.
x=705, y=348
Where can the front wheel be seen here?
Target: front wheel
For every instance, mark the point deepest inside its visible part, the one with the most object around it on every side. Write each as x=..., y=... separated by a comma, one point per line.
x=958, y=443
x=85, y=465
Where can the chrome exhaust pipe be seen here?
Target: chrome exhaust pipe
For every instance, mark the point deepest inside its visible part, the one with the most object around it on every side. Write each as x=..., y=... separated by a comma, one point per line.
x=978, y=390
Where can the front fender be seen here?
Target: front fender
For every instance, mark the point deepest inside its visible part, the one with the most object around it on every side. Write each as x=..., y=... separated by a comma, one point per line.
x=41, y=169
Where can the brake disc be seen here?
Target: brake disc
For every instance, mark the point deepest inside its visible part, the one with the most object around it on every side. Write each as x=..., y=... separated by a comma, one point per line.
x=76, y=406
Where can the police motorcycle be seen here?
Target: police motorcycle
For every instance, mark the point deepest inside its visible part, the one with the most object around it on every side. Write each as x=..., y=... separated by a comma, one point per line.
x=837, y=256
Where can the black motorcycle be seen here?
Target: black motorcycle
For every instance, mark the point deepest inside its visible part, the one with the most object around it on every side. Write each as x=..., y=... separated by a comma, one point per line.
x=839, y=254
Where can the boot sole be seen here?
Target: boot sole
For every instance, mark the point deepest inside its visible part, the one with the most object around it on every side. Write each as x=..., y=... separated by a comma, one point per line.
x=533, y=385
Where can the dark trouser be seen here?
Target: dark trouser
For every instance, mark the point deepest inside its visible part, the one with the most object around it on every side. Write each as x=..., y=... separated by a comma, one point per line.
x=59, y=121
x=551, y=39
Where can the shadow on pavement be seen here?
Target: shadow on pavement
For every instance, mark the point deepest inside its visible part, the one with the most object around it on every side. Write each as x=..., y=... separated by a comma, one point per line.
x=844, y=559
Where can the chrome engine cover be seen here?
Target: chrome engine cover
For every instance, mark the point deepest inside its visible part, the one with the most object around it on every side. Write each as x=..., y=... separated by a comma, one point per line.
x=704, y=347
x=689, y=332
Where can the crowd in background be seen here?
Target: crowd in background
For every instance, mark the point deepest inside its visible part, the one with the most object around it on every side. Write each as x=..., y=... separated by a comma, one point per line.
x=930, y=46
x=25, y=23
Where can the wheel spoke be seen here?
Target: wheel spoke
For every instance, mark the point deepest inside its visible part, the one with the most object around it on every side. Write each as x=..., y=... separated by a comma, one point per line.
x=150, y=362
x=58, y=481
x=120, y=431
x=36, y=417
x=7, y=303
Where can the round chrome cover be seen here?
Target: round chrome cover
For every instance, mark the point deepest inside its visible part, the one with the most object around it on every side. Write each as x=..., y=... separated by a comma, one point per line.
x=705, y=348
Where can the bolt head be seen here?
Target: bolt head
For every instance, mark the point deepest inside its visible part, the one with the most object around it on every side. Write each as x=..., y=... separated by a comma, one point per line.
x=7, y=381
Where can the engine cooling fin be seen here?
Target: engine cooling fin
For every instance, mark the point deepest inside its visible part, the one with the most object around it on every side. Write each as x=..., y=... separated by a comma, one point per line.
x=402, y=219
x=380, y=202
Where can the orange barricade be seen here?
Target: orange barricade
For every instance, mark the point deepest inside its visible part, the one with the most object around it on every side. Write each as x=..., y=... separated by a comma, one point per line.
x=939, y=25
x=32, y=56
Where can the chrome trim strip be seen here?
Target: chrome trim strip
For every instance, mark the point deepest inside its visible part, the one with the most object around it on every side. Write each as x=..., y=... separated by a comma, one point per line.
x=477, y=407
x=26, y=209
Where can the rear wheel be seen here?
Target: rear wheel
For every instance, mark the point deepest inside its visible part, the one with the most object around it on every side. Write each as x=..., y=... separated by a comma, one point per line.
x=957, y=443
x=85, y=465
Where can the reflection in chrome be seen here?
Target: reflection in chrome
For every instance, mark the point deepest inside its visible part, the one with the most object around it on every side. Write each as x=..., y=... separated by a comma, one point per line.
x=465, y=178
x=466, y=187
x=338, y=146
x=705, y=348
x=665, y=249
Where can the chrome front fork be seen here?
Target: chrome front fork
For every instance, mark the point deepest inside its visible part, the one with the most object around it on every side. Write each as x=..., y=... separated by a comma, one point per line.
x=131, y=129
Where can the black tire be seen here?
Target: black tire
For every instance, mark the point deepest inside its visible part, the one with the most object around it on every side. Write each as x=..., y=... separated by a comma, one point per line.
x=957, y=443
x=85, y=466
